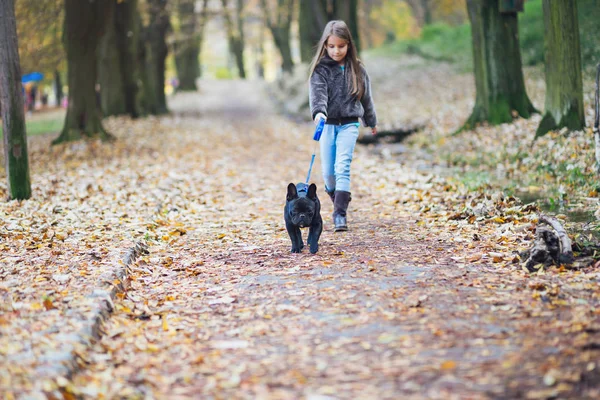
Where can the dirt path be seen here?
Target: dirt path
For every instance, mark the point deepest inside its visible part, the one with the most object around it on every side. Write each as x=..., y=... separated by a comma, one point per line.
x=393, y=308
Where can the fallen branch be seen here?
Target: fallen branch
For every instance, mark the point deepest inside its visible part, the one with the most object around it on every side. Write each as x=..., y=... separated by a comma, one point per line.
x=550, y=247
x=396, y=135
x=565, y=255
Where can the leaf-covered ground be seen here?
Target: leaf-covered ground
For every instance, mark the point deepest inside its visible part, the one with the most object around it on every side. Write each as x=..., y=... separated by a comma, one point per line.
x=424, y=297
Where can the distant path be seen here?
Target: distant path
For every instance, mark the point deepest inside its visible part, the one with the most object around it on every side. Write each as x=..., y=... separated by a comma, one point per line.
x=381, y=312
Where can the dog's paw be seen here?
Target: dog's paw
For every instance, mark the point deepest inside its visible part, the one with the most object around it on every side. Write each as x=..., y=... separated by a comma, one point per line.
x=296, y=249
x=314, y=248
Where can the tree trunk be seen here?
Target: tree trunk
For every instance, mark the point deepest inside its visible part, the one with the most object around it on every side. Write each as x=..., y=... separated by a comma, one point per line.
x=117, y=61
x=112, y=101
x=281, y=36
x=145, y=97
x=427, y=12
x=187, y=46
x=280, y=25
x=58, y=88
x=235, y=35
x=128, y=32
x=418, y=10
x=564, y=89
x=314, y=15
x=84, y=26
x=157, y=53
x=347, y=11
x=497, y=63
x=312, y=20
x=11, y=103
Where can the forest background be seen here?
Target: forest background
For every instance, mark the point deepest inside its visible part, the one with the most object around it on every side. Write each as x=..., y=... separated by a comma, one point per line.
x=438, y=31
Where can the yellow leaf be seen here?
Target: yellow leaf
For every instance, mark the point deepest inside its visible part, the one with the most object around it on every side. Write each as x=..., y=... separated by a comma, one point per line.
x=124, y=309
x=165, y=325
x=152, y=348
x=448, y=365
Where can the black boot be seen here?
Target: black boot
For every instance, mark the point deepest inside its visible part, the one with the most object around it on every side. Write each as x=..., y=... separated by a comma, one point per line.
x=331, y=195
x=340, y=205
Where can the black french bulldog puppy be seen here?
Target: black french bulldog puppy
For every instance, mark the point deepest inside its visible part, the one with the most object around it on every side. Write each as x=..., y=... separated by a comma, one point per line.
x=303, y=209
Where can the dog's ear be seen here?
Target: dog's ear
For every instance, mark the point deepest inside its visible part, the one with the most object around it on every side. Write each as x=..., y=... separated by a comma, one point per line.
x=292, y=193
x=312, y=191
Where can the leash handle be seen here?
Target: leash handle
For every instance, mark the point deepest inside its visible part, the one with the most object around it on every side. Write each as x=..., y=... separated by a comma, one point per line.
x=319, y=130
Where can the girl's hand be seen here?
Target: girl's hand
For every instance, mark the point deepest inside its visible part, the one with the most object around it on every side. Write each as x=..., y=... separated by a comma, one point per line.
x=319, y=117
x=374, y=131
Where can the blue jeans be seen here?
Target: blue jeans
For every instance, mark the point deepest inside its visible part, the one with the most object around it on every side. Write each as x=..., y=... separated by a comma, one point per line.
x=337, y=146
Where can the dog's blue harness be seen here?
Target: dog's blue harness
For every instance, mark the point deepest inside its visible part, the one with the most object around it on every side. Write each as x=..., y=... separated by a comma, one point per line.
x=302, y=189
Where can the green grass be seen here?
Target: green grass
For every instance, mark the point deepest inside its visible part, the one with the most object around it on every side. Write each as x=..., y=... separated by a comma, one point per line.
x=40, y=127
x=443, y=42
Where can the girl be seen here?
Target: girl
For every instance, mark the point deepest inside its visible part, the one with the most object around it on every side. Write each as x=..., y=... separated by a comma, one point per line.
x=340, y=93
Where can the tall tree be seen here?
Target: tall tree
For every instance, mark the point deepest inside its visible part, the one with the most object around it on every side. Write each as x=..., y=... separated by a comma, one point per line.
x=280, y=25
x=314, y=15
x=312, y=20
x=421, y=11
x=110, y=73
x=128, y=31
x=117, y=70
x=347, y=11
x=564, y=88
x=156, y=54
x=11, y=103
x=188, y=42
x=497, y=62
x=235, y=34
x=145, y=97
x=84, y=26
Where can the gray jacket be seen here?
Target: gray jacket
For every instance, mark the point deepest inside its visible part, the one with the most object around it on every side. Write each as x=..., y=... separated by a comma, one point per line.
x=329, y=94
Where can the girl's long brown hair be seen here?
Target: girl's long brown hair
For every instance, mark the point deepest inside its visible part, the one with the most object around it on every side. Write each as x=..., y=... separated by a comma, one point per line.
x=340, y=29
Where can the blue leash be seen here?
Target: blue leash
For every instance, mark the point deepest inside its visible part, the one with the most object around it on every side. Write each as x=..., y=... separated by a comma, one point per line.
x=316, y=138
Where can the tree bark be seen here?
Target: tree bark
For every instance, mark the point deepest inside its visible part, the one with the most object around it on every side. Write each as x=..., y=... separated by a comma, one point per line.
x=427, y=12
x=11, y=103
x=312, y=20
x=235, y=35
x=118, y=66
x=128, y=32
x=157, y=53
x=145, y=96
x=564, y=88
x=314, y=15
x=418, y=8
x=85, y=22
x=110, y=74
x=497, y=63
x=58, y=88
x=347, y=11
x=187, y=46
x=280, y=25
